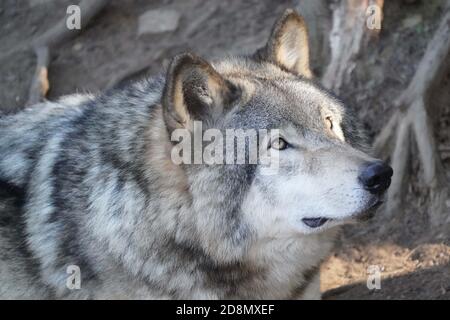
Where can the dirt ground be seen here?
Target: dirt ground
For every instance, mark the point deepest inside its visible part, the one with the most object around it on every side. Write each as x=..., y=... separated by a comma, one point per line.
x=413, y=256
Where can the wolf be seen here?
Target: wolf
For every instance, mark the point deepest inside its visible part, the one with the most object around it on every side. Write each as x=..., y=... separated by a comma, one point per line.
x=101, y=201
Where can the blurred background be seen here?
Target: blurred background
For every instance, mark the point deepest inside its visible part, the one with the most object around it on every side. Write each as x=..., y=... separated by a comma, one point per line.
x=370, y=69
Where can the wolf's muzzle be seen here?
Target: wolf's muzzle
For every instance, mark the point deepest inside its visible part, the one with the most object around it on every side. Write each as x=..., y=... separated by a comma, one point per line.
x=376, y=177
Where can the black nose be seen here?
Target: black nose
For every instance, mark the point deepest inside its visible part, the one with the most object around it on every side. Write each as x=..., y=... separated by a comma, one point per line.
x=376, y=177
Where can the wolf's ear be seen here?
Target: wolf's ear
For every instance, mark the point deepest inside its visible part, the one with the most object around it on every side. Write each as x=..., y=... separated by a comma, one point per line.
x=288, y=45
x=194, y=91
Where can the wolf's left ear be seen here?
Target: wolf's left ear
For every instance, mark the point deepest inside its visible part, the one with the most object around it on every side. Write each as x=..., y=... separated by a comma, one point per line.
x=288, y=45
x=194, y=90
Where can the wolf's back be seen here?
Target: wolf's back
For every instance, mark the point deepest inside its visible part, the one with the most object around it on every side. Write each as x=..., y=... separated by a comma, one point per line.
x=23, y=137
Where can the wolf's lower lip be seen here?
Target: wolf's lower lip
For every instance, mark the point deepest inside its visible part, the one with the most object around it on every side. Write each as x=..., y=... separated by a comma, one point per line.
x=314, y=222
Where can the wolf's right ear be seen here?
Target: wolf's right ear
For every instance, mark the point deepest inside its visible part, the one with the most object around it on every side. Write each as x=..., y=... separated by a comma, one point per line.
x=194, y=90
x=288, y=45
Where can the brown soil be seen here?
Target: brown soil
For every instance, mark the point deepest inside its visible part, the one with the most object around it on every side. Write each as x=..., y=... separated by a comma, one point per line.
x=413, y=256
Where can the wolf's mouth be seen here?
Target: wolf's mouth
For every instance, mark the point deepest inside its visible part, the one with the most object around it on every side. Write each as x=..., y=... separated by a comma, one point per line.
x=315, y=222
x=365, y=215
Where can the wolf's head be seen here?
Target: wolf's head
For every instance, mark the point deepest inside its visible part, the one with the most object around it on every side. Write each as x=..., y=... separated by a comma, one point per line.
x=322, y=177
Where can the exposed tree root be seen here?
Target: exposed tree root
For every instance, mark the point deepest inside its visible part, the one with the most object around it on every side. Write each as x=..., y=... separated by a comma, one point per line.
x=43, y=44
x=411, y=123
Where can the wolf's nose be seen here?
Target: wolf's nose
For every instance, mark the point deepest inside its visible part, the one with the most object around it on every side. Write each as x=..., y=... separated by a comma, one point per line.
x=376, y=177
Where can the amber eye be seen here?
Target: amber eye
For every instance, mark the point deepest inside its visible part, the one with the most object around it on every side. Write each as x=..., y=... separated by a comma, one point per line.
x=329, y=122
x=279, y=144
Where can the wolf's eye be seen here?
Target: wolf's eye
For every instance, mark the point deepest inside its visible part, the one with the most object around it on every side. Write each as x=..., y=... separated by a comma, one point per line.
x=329, y=122
x=279, y=144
